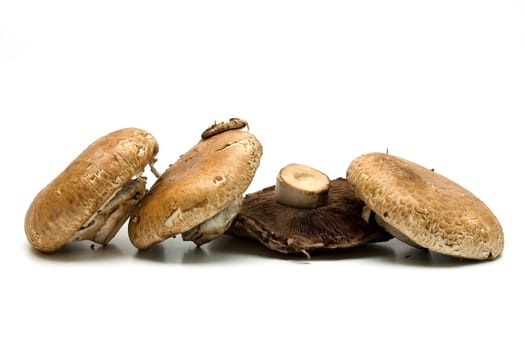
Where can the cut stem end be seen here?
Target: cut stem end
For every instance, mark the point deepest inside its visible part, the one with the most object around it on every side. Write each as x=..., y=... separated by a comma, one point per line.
x=301, y=186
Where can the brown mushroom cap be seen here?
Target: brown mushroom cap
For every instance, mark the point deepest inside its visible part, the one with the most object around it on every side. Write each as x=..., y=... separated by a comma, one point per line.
x=200, y=184
x=338, y=224
x=89, y=182
x=426, y=208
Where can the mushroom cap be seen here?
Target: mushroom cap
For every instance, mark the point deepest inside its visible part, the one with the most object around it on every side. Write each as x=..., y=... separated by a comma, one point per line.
x=336, y=225
x=200, y=184
x=60, y=209
x=429, y=209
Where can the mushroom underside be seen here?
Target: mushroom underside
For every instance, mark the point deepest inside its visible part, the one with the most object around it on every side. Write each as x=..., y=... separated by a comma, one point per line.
x=214, y=226
x=371, y=217
x=105, y=223
x=336, y=225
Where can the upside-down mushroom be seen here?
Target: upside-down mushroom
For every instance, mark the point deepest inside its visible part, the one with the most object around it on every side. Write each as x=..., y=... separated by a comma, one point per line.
x=305, y=212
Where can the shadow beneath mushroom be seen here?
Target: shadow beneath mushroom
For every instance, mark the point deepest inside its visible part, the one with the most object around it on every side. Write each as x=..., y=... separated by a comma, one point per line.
x=407, y=255
x=226, y=249
x=80, y=252
x=168, y=251
x=365, y=251
x=177, y=251
x=154, y=253
x=391, y=252
x=246, y=247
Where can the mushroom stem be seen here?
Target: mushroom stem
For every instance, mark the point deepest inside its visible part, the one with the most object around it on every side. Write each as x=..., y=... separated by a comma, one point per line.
x=106, y=222
x=300, y=186
x=214, y=226
x=153, y=169
x=370, y=215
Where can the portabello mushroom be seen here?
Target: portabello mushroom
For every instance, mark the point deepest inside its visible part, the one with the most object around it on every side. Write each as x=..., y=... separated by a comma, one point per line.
x=92, y=198
x=305, y=212
x=424, y=208
x=199, y=195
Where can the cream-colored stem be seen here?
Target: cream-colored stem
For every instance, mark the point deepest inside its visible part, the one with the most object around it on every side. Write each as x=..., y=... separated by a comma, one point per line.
x=214, y=226
x=301, y=186
x=367, y=213
x=152, y=168
x=105, y=223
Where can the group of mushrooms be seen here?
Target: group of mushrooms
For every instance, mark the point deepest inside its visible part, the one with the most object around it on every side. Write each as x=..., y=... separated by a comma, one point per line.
x=201, y=196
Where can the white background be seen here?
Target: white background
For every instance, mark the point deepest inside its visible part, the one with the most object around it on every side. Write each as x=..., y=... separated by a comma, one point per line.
x=321, y=82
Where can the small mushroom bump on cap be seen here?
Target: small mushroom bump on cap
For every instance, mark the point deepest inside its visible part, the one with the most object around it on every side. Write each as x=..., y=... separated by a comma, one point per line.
x=217, y=128
x=425, y=208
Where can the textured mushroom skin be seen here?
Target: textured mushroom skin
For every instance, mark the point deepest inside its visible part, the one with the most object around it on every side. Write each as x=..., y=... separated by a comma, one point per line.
x=91, y=180
x=180, y=200
x=336, y=225
x=217, y=128
x=431, y=210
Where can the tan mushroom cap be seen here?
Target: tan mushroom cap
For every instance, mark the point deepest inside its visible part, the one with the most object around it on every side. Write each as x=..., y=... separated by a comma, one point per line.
x=89, y=182
x=426, y=208
x=200, y=184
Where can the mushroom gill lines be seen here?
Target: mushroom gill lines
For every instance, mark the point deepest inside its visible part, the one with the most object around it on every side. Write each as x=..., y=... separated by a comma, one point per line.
x=336, y=223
